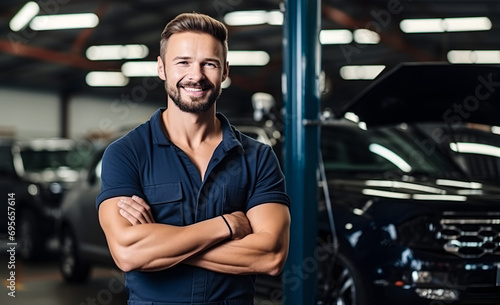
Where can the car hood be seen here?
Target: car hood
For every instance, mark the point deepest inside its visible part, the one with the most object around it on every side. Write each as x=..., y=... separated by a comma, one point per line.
x=430, y=92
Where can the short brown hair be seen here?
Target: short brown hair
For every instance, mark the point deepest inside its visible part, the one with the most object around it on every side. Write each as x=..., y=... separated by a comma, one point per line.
x=194, y=22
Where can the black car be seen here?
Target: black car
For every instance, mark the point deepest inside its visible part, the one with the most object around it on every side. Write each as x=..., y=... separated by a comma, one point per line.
x=36, y=173
x=408, y=210
x=413, y=187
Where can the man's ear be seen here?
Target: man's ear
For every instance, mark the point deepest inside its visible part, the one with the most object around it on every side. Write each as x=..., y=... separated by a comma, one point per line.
x=161, y=69
x=225, y=73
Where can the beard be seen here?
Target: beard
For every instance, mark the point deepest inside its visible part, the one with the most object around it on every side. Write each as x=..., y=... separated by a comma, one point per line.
x=193, y=104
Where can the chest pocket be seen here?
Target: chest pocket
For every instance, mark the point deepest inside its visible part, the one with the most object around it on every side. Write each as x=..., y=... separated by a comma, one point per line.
x=234, y=199
x=165, y=200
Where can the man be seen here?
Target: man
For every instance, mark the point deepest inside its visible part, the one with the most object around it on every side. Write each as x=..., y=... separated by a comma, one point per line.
x=191, y=208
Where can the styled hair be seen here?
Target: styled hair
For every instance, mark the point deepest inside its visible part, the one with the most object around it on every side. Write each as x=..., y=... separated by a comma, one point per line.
x=194, y=22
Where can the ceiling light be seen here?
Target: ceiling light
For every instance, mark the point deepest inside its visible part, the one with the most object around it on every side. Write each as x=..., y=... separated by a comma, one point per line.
x=140, y=68
x=106, y=79
x=64, y=21
x=475, y=148
x=335, y=36
x=474, y=57
x=439, y=197
x=467, y=24
x=365, y=36
x=248, y=58
x=24, y=16
x=240, y=18
x=116, y=52
x=275, y=18
x=390, y=156
x=461, y=184
x=422, y=25
x=440, y=25
x=361, y=72
x=372, y=192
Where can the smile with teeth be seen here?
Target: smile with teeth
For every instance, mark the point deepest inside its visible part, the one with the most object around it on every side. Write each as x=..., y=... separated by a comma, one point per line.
x=193, y=89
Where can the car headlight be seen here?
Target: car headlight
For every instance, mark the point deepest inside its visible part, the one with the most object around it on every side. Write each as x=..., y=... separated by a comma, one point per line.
x=55, y=188
x=33, y=189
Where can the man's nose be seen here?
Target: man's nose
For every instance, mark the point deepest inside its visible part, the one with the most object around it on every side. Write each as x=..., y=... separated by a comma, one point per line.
x=196, y=72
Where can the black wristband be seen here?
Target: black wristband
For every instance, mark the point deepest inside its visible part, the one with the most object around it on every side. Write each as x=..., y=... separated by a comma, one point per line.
x=228, y=226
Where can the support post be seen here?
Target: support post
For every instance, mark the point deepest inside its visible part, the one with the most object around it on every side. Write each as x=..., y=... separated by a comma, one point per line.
x=301, y=70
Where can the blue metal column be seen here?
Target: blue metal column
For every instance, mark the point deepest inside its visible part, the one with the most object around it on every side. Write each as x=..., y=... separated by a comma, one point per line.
x=302, y=62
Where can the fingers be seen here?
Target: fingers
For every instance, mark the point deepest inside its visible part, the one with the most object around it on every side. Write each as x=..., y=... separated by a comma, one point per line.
x=135, y=210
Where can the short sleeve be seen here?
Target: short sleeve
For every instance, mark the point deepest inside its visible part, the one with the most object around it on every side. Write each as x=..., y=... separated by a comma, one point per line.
x=270, y=185
x=119, y=175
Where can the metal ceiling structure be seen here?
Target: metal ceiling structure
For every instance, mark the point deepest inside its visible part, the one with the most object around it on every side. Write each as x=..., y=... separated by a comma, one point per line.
x=55, y=60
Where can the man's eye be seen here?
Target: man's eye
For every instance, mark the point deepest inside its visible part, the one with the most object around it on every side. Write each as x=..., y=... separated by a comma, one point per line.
x=209, y=64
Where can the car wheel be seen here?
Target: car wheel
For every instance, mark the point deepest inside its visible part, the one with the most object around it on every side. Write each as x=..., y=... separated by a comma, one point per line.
x=31, y=241
x=339, y=283
x=73, y=268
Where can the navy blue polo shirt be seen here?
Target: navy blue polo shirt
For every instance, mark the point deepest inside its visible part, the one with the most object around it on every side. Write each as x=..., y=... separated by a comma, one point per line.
x=242, y=174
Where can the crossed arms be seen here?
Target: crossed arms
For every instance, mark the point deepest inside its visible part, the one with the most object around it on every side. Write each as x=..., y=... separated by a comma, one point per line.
x=259, y=242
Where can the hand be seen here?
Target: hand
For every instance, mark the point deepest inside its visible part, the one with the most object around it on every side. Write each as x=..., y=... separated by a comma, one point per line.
x=239, y=224
x=135, y=210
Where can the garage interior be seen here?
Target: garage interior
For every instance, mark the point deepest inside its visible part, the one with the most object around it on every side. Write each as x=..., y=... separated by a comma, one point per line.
x=93, y=81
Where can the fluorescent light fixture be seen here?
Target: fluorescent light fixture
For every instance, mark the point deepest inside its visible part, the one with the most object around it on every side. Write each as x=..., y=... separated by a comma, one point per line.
x=422, y=25
x=440, y=25
x=240, y=18
x=361, y=72
x=460, y=184
x=495, y=129
x=439, y=197
x=106, y=79
x=140, y=68
x=390, y=156
x=371, y=192
x=467, y=24
x=24, y=16
x=364, y=36
x=117, y=52
x=474, y=56
x=275, y=18
x=64, y=21
x=335, y=36
x=404, y=185
x=248, y=58
x=475, y=148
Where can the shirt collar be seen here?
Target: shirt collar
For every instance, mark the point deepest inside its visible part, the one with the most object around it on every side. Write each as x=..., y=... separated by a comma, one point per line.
x=229, y=138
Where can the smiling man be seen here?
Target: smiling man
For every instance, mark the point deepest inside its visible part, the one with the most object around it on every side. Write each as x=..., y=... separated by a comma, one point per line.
x=191, y=208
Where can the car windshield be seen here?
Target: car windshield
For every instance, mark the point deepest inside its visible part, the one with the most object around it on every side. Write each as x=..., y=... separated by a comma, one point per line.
x=41, y=160
x=346, y=148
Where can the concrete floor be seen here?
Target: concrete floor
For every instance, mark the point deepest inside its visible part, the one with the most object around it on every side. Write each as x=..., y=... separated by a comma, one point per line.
x=40, y=283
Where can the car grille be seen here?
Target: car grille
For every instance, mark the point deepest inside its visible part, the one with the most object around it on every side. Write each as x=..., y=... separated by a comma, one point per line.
x=470, y=237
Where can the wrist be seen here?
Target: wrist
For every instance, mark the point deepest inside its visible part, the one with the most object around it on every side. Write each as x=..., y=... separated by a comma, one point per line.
x=228, y=226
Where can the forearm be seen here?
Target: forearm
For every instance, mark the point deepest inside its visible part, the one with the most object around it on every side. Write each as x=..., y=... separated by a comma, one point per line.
x=146, y=249
x=153, y=246
x=257, y=253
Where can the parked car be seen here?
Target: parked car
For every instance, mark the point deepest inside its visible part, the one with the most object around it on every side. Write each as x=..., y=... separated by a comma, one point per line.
x=416, y=220
x=404, y=213
x=37, y=172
